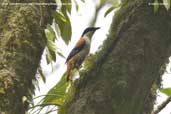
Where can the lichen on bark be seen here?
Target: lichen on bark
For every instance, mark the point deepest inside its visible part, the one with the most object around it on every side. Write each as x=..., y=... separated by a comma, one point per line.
x=22, y=41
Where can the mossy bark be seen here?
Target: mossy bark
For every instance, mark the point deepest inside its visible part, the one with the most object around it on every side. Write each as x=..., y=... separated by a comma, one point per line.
x=22, y=41
x=128, y=66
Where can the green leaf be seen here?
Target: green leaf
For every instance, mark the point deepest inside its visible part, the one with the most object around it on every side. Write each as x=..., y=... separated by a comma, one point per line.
x=58, y=91
x=83, y=1
x=50, y=56
x=166, y=91
x=52, y=32
x=102, y=2
x=156, y=6
x=49, y=35
x=58, y=2
x=166, y=4
x=76, y=6
x=109, y=10
x=57, y=29
x=60, y=54
x=115, y=4
x=66, y=6
x=58, y=16
x=169, y=4
x=51, y=46
x=64, y=25
x=65, y=29
x=42, y=74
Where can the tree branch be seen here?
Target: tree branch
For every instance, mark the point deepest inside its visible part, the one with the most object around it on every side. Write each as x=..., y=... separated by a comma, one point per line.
x=161, y=106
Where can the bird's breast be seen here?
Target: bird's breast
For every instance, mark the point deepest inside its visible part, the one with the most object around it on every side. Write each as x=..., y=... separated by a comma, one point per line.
x=84, y=52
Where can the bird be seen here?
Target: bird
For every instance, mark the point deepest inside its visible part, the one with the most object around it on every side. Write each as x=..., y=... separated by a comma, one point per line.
x=80, y=51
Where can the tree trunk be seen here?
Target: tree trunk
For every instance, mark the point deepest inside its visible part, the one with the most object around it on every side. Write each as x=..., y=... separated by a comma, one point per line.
x=120, y=79
x=22, y=41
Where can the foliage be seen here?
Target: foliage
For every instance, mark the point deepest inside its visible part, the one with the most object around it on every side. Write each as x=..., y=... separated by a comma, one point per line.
x=61, y=27
x=166, y=4
x=41, y=74
x=166, y=91
x=156, y=4
x=58, y=91
x=115, y=5
x=51, y=48
x=64, y=25
x=55, y=97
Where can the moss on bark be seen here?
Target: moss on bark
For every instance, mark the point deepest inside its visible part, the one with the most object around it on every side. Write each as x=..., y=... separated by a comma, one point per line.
x=22, y=41
x=128, y=65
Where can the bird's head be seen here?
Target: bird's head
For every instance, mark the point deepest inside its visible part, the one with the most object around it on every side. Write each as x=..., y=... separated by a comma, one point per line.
x=90, y=31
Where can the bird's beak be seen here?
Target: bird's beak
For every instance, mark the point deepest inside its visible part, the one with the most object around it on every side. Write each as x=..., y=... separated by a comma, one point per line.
x=97, y=28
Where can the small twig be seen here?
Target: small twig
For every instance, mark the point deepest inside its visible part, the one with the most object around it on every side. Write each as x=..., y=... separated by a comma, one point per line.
x=161, y=106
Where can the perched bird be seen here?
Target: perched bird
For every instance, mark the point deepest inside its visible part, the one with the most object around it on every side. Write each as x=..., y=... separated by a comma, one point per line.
x=80, y=51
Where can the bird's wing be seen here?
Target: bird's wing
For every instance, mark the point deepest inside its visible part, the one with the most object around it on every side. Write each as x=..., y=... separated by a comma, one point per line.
x=78, y=47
